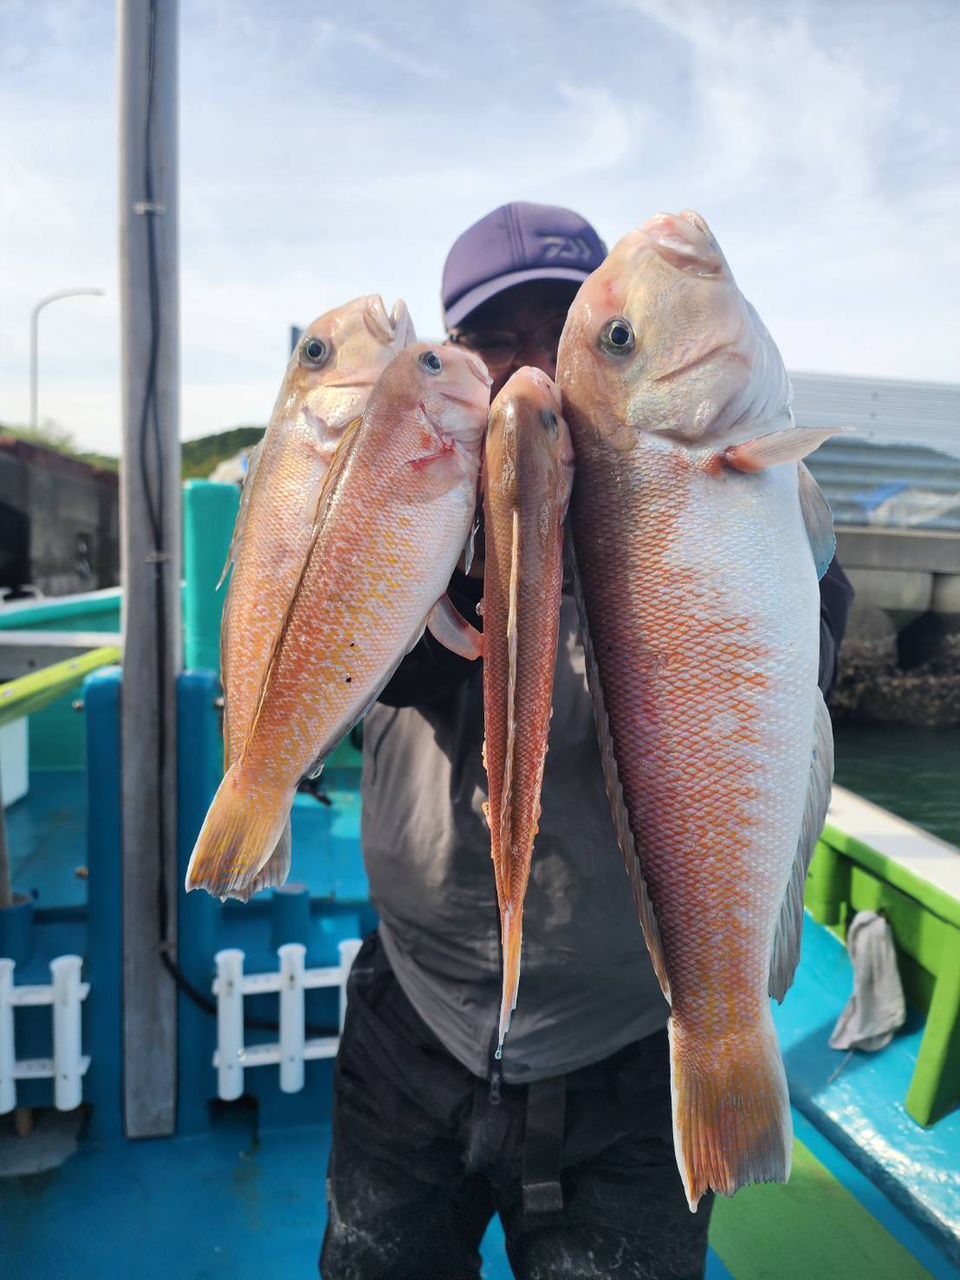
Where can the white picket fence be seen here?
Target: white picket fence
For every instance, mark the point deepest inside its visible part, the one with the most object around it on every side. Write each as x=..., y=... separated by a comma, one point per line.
x=290, y=981
x=65, y=992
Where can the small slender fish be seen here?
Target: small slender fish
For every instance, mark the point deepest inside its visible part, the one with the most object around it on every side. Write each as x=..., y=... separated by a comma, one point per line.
x=527, y=475
x=698, y=537
x=335, y=366
x=395, y=513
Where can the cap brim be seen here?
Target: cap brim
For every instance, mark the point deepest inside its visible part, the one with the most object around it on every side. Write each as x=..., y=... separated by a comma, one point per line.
x=490, y=288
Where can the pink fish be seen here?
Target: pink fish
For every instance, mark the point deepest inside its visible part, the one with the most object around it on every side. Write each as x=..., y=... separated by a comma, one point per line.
x=528, y=470
x=699, y=538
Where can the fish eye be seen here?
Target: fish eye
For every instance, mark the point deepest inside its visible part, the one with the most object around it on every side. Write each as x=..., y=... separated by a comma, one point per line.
x=431, y=362
x=549, y=420
x=314, y=352
x=616, y=337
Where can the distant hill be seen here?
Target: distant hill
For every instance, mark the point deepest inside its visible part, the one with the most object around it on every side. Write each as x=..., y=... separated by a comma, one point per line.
x=201, y=456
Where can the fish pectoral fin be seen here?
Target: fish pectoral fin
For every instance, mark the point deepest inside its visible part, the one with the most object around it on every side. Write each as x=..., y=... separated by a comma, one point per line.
x=611, y=776
x=446, y=624
x=252, y=463
x=818, y=520
x=786, y=942
x=772, y=450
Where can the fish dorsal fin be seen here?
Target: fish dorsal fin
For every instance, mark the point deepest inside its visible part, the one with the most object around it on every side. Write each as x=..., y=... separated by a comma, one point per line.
x=611, y=776
x=506, y=795
x=818, y=519
x=331, y=484
x=786, y=942
x=253, y=462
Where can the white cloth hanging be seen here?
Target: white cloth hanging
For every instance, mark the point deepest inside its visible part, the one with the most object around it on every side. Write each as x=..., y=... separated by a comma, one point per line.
x=876, y=1009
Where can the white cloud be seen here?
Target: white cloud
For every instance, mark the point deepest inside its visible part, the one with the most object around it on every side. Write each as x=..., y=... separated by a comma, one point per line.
x=774, y=102
x=324, y=157
x=382, y=49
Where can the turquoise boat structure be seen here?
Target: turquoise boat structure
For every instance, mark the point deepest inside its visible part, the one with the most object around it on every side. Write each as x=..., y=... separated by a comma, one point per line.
x=238, y=1189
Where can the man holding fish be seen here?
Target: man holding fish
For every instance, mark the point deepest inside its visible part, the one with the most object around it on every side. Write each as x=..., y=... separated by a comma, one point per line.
x=564, y=1125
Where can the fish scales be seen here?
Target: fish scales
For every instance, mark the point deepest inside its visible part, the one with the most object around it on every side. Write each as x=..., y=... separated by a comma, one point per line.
x=701, y=688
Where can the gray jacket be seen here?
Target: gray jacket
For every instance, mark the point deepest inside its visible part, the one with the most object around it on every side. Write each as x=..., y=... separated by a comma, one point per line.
x=586, y=986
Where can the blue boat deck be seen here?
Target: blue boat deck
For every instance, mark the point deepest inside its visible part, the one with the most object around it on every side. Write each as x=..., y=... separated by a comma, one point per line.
x=232, y=1203
x=245, y=1196
x=873, y=1196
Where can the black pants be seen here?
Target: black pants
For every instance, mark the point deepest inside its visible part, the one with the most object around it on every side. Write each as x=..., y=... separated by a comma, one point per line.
x=424, y=1154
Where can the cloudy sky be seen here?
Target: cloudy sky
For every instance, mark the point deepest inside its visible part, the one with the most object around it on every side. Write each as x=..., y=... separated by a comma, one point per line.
x=337, y=149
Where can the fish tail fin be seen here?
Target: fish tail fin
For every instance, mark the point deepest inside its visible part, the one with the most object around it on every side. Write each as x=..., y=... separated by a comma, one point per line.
x=240, y=832
x=511, y=929
x=274, y=871
x=731, y=1113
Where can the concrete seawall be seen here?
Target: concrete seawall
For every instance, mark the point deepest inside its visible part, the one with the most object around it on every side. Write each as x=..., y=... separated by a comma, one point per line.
x=901, y=657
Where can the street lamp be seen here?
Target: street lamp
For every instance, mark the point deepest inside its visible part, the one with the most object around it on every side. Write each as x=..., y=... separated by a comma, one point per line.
x=34, y=317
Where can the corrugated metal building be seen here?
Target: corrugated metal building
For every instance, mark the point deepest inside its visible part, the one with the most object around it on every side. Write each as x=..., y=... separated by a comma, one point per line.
x=902, y=467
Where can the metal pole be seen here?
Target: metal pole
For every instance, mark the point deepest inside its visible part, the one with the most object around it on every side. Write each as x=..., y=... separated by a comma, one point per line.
x=150, y=530
x=34, y=319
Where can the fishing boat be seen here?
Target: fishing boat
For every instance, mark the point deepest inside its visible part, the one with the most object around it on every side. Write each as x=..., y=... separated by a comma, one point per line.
x=237, y=1182
x=166, y=1061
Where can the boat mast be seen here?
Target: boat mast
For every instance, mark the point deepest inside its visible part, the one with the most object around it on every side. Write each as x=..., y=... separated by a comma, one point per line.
x=151, y=556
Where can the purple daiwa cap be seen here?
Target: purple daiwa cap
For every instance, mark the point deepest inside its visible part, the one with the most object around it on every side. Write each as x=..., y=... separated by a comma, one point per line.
x=515, y=243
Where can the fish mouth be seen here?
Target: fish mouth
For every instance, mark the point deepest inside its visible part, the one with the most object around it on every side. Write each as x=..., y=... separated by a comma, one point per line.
x=393, y=329
x=478, y=368
x=451, y=440
x=685, y=241
x=544, y=383
x=471, y=402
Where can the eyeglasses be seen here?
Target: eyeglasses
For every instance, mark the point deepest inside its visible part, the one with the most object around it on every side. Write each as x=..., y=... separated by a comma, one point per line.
x=500, y=347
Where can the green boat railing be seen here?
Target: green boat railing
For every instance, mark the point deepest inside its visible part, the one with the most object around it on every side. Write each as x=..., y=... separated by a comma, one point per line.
x=913, y=879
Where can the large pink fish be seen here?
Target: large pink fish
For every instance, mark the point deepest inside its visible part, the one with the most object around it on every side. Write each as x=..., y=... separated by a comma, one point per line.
x=698, y=539
x=328, y=380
